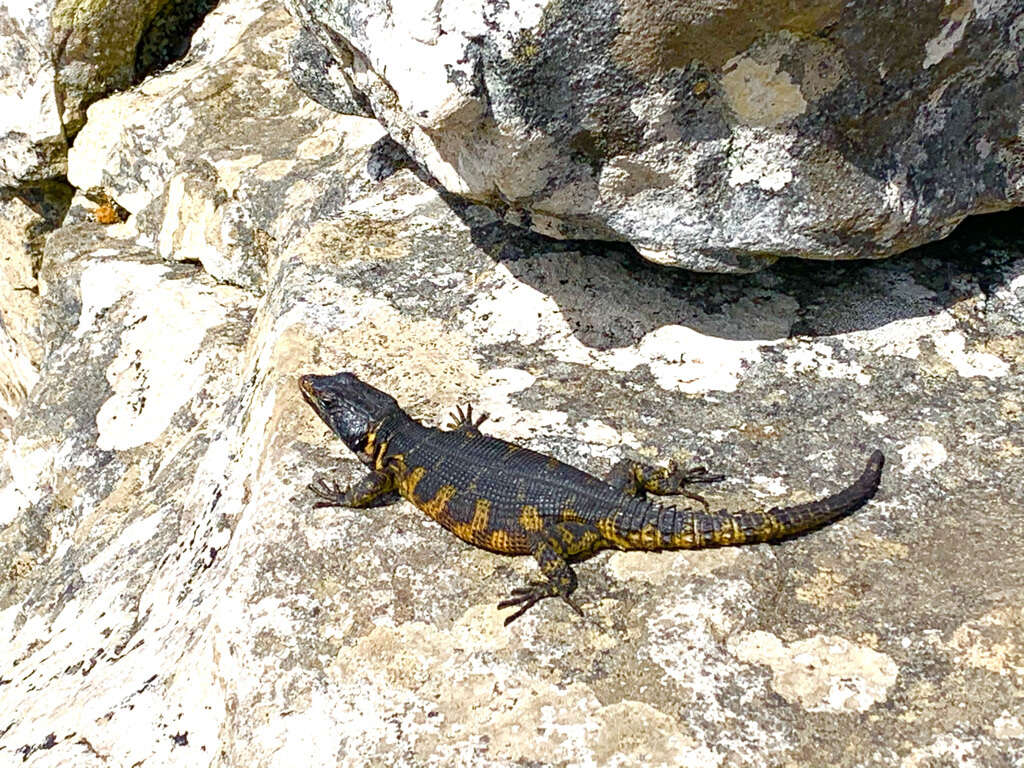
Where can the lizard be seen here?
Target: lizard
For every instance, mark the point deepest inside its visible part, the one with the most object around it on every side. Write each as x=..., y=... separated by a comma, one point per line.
x=511, y=500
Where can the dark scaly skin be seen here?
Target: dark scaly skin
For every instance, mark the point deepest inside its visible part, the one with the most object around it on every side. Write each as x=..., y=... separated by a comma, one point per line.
x=514, y=501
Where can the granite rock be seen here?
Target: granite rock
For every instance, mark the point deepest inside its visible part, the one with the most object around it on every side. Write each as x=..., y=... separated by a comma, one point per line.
x=712, y=136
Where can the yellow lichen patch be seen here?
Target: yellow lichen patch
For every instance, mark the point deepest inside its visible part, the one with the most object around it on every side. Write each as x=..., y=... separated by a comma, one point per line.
x=436, y=366
x=878, y=547
x=761, y=93
x=530, y=518
x=823, y=673
x=447, y=686
x=20, y=566
x=120, y=505
x=636, y=728
x=671, y=568
x=824, y=589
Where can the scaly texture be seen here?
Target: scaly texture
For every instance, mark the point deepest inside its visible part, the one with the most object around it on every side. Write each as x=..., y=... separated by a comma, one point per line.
x=511, y=500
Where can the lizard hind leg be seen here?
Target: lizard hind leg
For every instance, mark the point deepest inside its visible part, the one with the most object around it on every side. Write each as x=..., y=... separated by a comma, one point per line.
x=636, y=479
x=554, y=548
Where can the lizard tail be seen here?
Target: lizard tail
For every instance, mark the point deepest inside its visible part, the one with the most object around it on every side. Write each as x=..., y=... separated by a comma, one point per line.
x=673, y=528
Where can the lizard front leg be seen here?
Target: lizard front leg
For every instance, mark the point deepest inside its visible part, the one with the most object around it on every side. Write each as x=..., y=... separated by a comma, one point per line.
x=375, y=489
x=636, y=479
x=554, y=547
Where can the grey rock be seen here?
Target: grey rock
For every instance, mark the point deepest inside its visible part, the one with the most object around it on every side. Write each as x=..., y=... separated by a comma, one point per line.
x=713, y=137
x=60, y=56
x=32, y=141
x=321, y=78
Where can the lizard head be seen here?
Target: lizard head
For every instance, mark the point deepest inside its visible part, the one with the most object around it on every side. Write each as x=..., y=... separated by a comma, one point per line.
x=351, y=408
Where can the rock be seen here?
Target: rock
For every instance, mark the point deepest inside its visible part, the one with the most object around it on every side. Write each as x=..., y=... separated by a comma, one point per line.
x=168, y=595
x=32, y=141
x=320, y=78
x=197, y=154
x=62, y=55
x=716, y=138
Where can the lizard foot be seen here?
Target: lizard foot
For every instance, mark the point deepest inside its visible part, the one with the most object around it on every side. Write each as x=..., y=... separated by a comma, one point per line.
x=527, y=597
x=464, y=419
x=331, y=494
x=681, y=477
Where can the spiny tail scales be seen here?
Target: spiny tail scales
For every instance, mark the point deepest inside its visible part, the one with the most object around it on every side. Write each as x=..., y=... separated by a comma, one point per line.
x=646, y=525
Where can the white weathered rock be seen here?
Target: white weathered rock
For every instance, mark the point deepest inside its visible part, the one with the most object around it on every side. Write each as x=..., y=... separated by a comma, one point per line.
x=32, y=143
x=196, y=153
x=706, y=135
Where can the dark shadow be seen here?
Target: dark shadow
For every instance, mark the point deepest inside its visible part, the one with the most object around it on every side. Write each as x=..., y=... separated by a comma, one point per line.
x=794, y=297
x=168, y=35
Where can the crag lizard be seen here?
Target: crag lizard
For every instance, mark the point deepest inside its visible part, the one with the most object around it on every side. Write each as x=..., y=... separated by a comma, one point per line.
x=514, y=501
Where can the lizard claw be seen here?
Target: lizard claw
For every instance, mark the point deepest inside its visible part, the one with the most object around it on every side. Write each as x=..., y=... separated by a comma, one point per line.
x=330, y=494
x=689, y=475
x=573, y=604
x=464, y=418
x=527, y=597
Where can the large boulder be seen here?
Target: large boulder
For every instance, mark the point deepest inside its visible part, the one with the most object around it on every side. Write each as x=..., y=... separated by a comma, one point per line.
x=714, y=136
x=32, y=141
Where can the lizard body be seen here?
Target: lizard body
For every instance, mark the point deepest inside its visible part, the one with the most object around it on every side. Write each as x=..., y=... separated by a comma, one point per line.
x=514, y=501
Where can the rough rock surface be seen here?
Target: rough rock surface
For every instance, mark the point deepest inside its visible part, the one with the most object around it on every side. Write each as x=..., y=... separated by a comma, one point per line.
x=169, y=597
x=59, y=56
x=715, y=136
x=32, y=141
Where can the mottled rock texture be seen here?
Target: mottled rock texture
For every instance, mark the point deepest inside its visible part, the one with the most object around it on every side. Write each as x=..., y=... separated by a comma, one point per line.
x=714, y=136
x=59, y=56
x=168, y=595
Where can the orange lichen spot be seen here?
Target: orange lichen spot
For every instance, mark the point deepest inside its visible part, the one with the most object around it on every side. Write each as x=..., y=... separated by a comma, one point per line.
x=106, y=213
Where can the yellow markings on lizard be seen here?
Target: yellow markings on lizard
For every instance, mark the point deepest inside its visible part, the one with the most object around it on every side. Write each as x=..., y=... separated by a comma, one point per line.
x=505, y=543
x=437, y=507
x=682, y=540
x=408, y=482
x=570, y=515
x=380, y=452
x=610, y=533
x=370, y=448
x=530, y=518
x=476, y=528
x=481, y=515
x=647, y=537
